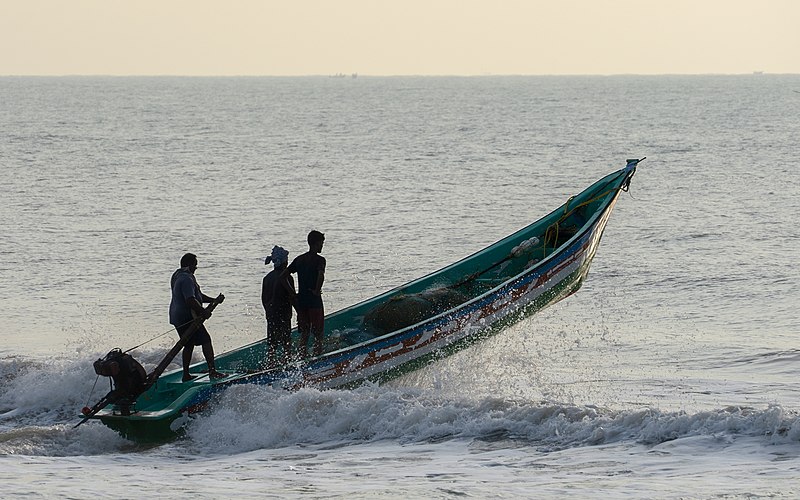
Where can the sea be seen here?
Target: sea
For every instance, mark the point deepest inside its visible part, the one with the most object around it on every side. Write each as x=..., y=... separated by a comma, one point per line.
x=672, y=373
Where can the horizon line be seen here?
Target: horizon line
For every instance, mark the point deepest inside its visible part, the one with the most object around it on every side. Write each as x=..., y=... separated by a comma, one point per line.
x=369, y=75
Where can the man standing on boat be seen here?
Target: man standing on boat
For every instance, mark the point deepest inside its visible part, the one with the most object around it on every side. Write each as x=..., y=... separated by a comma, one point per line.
x=277, y=302
x=186, y=304
x=310, y=269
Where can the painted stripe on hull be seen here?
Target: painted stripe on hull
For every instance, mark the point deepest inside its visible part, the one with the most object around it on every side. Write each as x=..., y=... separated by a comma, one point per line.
x=467, y=322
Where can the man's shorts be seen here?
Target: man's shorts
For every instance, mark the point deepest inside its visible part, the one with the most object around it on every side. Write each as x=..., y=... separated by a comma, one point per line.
x=199, y=337
x=311, y=321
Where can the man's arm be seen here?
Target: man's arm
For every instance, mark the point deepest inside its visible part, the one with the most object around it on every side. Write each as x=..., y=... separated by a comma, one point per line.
x=185, y=287
x=283, y=280
x=195, y=306
x=320, y=277
x=266, y=293
x=291, y=268
x=289, y=287
x=207, y=300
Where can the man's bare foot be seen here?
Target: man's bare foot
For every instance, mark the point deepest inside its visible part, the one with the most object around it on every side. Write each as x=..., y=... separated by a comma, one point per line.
x=215, y=374
x=187, y=378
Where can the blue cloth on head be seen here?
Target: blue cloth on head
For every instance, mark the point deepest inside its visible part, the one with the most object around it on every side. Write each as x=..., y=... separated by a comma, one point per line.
x=279, y=256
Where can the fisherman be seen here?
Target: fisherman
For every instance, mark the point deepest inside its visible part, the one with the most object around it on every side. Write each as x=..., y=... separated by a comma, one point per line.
x=277, y=302
x=310, y=269
x=186, y=304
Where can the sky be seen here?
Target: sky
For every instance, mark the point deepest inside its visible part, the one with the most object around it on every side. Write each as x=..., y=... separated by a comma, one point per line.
x=398, y=37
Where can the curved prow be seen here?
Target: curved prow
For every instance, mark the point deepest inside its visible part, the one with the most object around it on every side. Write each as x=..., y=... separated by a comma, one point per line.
x=630, y=169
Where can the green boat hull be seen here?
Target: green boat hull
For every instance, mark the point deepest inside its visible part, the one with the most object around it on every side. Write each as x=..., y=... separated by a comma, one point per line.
x=446, y=311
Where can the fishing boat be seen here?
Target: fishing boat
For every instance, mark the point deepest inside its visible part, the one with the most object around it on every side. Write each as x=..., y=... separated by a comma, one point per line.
x=393, y=333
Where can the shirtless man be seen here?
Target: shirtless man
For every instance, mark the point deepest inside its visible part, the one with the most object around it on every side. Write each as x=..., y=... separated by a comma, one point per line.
x=310, y=269
x=277, y=302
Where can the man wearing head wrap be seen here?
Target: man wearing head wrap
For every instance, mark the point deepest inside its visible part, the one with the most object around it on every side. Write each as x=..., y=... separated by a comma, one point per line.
x=277, y=302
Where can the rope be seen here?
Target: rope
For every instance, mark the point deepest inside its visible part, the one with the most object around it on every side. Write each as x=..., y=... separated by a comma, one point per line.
x=92, y=391
x=552, y=228
x=625, y=186
x=555, y=226
x=157, y=336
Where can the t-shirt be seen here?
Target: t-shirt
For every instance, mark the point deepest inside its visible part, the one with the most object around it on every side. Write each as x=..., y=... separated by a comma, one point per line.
x=308, y=266
x=183, y=286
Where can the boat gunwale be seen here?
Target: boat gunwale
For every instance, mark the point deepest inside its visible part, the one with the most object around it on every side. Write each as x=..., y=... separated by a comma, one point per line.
x=464, y=309
x=554, y=254
x=468, y=306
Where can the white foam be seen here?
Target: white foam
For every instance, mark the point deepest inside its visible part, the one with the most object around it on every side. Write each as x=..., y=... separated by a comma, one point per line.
x=40, y=403
x=249, y=417
x=52, y=391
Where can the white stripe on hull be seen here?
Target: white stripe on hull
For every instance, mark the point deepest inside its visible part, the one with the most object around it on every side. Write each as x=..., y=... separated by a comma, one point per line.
x=507, y=301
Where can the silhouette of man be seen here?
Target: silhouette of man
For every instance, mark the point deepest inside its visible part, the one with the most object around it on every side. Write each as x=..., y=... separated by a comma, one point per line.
x=277, y=301
x=187, y=303
x=310, y=269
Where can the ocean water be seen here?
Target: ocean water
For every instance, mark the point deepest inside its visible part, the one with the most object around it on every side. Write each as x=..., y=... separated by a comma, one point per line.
x=672, y=373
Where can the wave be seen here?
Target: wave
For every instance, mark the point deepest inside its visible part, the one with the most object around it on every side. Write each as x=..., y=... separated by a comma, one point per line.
x=49, y=390
x=249, y=417
x=39, y=405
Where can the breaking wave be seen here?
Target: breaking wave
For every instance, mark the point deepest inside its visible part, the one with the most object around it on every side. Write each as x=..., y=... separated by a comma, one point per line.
x=39, y=404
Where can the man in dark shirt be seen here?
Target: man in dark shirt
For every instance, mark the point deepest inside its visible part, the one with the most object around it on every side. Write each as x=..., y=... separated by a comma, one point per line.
x=310, y=269
x=186, y=304
x=277, y=302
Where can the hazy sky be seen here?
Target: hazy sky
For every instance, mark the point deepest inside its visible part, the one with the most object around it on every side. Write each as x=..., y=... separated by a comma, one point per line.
x=397, y=37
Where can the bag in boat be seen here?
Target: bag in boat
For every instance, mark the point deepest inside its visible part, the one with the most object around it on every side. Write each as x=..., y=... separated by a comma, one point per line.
x=406, y=310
